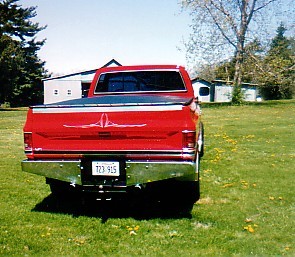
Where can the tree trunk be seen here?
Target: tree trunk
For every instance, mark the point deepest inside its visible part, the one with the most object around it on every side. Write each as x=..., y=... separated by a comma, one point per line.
x=238, y=69
x=237, y=96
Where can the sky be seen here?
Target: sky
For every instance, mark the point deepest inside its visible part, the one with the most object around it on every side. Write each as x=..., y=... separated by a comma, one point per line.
x=85, y=35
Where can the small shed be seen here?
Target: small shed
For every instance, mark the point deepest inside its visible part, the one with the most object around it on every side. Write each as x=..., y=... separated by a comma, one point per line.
x=222, y=91
x=71, y=86
x=198, y=86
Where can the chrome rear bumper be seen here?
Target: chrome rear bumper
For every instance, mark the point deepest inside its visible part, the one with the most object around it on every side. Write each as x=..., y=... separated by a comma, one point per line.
x=137, y=172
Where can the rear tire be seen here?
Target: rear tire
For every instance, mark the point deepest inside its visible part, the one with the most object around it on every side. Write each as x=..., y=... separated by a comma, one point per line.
x=185, y=199
x=175, y=196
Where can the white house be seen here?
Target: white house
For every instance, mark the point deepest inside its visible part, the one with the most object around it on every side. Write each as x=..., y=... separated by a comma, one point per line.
x=71, y=86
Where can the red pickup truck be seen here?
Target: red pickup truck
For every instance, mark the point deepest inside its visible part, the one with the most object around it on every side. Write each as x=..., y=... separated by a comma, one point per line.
x=138, y=130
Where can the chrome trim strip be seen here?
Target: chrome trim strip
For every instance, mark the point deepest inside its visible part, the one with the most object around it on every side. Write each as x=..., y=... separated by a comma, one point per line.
x=167, y=153
x=107, y=152
x=140, y=70
x=189, y=153
x=98, y=109
x=188, y=131
x=142, y=92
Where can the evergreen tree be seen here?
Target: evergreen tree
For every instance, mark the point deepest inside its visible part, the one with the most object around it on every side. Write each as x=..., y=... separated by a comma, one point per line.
x=277, y=78
x=21, y=70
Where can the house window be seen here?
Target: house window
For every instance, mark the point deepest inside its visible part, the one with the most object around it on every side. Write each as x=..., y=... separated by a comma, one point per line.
x=69, y=92
x=55, y=92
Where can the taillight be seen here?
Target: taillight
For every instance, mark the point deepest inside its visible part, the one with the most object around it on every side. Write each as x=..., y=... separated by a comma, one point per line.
x=28, y=141
x=189, y=139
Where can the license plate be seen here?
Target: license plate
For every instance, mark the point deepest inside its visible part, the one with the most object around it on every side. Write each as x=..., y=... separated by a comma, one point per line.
x=101, y=168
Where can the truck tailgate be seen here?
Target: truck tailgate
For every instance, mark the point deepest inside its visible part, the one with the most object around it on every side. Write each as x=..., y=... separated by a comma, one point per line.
x=111, y=123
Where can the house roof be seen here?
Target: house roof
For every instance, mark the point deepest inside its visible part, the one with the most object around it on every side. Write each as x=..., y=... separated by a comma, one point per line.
x=229, y=82
x=198, y=79
x=87, y=72
x=220, y=82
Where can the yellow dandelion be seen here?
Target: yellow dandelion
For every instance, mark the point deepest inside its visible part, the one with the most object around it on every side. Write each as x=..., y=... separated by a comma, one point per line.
x=251, y=230
x=228, y=185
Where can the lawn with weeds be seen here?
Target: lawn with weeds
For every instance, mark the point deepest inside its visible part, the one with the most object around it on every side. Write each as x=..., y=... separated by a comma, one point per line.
x=246, y=206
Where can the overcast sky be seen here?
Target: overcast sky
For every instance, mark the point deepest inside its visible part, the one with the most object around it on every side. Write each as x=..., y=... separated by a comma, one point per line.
x=84, y=35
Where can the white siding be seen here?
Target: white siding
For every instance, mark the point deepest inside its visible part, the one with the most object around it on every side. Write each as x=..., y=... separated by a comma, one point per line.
x=223, y=93
x=87, y=77
x=196, y=86
x=61, y=90
x=250, y=94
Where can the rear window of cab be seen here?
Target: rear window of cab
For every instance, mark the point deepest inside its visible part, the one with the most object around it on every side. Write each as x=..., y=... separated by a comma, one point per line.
x=140, y=81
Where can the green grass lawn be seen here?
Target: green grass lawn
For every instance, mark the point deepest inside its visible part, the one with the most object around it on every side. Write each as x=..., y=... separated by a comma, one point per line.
x=246, y=206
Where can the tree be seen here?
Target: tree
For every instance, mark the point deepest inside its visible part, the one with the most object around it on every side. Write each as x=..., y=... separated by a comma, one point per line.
x=277, y=72
x=252, y=56
x=21, y=70
x=273, y=69
x=221, y=27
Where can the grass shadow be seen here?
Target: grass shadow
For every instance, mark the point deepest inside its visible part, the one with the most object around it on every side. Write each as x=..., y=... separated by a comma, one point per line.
x=127, y=207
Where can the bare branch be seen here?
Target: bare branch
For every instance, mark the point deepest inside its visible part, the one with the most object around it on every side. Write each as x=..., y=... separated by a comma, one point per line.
x=227, y=14
x=251, y=12
x=220, y=28
x=264, y=5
